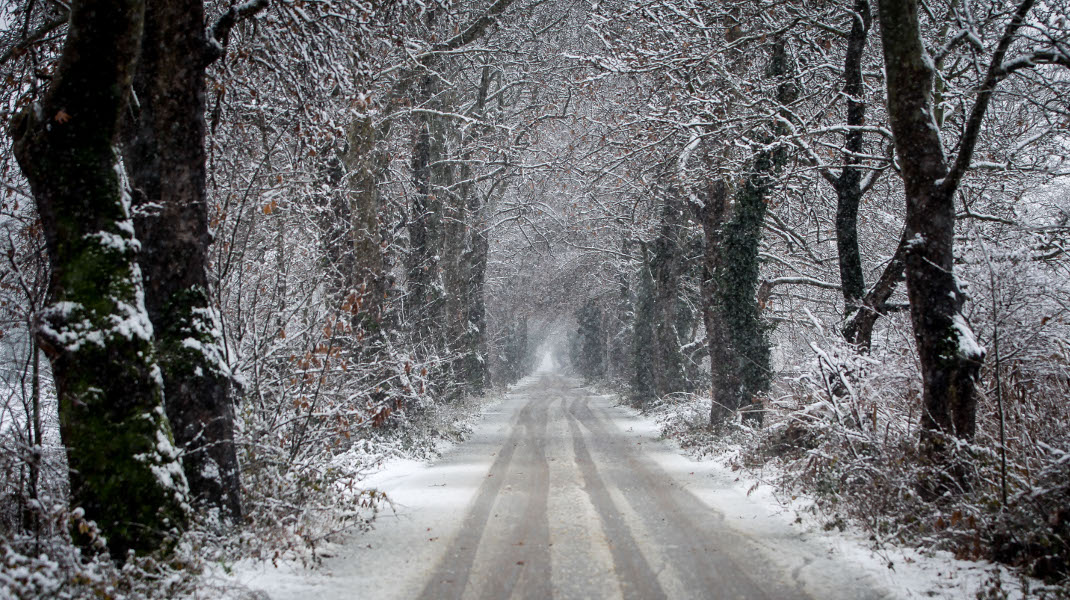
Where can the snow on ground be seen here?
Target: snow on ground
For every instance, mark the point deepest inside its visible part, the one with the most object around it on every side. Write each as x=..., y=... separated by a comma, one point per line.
x=393, y=559
x=381, y=563
x=754, y=508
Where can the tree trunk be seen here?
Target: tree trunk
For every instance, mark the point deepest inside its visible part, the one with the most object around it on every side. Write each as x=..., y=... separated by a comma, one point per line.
x=475, y=338
x=736, y=284
x=425, y=226
x=469, y=268
x=619, y=331
x=667, y=266
x=644, y=371
x=849, y=183
x=472, y=341
x=950, y=357
x=365, y=269
x=724, y=382
x=124, y=469
x=589, y=351
x=861, y=308
x=859, y=326
x=164, y=148
x=742, y=339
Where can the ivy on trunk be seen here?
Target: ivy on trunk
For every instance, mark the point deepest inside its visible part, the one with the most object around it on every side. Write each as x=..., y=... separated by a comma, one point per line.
x=124, y=469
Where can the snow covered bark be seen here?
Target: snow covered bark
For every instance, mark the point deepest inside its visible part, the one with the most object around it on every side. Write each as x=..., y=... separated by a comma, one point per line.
x=425, y=225
x=949, y=354
x=713, y=212
x=735, y=288
x=447, y=259
x=124, y=469
x=164, y=149
x=743, y=351
x=474, y=265
x=950, y=357
x=365, y=167
x=858, y=329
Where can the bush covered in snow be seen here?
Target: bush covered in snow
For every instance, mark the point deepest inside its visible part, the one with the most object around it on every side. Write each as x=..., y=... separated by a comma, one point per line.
x=845, y=432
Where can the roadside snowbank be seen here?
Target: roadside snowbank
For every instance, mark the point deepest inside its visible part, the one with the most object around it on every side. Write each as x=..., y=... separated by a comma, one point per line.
x=753, y=506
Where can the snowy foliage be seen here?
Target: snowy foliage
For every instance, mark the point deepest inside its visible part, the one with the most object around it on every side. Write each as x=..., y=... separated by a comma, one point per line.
x=405, y=195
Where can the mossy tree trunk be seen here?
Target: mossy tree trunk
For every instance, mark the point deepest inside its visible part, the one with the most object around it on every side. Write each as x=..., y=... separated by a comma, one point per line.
x=713, y=212
x=742, y=370
x=589, y=352
x=667, y=267
x=736, y=286
x=124, y=469
x=164, y=149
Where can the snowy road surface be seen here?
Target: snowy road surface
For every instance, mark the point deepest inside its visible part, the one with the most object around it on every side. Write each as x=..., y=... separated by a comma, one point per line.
x=561, y=494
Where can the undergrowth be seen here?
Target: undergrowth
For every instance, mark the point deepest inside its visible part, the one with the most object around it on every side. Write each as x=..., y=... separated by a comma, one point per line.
x=292, y=511
x=844, y=431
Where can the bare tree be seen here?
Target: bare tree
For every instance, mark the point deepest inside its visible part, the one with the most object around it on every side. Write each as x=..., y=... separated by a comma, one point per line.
x=949, y=353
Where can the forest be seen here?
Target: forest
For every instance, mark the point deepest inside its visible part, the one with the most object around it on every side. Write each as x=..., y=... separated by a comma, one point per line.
x=251, y=250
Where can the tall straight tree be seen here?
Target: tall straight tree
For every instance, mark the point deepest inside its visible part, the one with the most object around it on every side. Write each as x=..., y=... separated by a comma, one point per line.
x=164, y=149
x=713, y=211
x=465, y=251
x=425, y=227
x=949, y=355
x=124, y=470
x=849, y=184
x=644, y=388
x=736, y=266
x=667, y=265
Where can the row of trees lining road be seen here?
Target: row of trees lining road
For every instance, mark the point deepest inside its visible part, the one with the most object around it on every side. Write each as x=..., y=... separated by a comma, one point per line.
x=753, y=92
x=264, y=244
x=239, y=269
x=771, y=147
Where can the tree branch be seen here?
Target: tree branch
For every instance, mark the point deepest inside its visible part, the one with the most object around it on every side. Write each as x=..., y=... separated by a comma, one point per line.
x=1045, y=57
x=474, y=29
x=984, y=95
x=219, y=34
x=811, y=281
x=33, y=38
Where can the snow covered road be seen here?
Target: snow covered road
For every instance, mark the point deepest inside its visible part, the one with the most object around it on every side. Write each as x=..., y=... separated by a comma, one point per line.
x=561, y=494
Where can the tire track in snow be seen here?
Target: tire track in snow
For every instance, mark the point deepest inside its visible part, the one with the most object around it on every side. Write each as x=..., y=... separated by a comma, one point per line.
x=709, y=559
x=522, y=562
x=662, y=540
x=452, y=576
x=637, y=579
